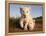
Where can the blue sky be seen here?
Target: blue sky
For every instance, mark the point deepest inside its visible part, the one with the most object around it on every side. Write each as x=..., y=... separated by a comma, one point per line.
x=36, y=11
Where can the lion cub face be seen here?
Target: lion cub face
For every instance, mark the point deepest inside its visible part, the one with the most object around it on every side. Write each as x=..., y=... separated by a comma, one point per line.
x=25, y=11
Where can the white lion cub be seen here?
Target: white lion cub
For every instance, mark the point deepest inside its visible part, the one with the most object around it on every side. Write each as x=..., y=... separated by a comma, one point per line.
x=26, y=20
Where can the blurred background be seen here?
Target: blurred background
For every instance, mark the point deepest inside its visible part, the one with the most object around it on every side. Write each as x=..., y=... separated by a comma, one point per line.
x=35, y=12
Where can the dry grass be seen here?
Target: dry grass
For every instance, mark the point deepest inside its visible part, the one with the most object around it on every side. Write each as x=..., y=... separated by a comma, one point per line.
x=13, y=27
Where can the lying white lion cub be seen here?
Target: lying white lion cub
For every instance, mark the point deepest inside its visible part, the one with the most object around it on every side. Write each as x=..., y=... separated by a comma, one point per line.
x=26, y=20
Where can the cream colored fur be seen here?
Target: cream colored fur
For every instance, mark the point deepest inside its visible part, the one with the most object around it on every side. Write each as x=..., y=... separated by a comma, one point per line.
x=26, y=20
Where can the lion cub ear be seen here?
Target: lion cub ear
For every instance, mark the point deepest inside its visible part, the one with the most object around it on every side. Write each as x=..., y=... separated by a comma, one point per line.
x=29, y=8
x=20, y=10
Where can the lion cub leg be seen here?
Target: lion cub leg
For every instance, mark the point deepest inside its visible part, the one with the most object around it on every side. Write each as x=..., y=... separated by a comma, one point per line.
x=31, y=26
x=25, y=27
x=21, y=24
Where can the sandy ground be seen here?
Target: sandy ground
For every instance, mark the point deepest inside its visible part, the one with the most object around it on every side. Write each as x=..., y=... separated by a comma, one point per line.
x=38, y=27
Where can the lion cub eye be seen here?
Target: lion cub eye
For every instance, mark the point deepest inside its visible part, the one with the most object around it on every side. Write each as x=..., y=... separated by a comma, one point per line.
x=23, y=11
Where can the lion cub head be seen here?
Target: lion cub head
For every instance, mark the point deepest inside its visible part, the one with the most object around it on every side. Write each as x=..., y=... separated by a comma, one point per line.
x=25, y=11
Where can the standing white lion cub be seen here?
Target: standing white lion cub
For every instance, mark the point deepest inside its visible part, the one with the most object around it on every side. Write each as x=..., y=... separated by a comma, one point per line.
x=26, y=20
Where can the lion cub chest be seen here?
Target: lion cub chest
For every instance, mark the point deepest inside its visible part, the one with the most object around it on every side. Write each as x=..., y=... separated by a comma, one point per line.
x=26, y=20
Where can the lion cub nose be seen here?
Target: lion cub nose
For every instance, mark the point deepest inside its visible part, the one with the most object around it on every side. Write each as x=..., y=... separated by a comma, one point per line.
x=24, y=16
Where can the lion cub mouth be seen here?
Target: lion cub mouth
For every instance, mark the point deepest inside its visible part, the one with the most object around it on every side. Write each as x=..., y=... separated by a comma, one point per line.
x=24, y=16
